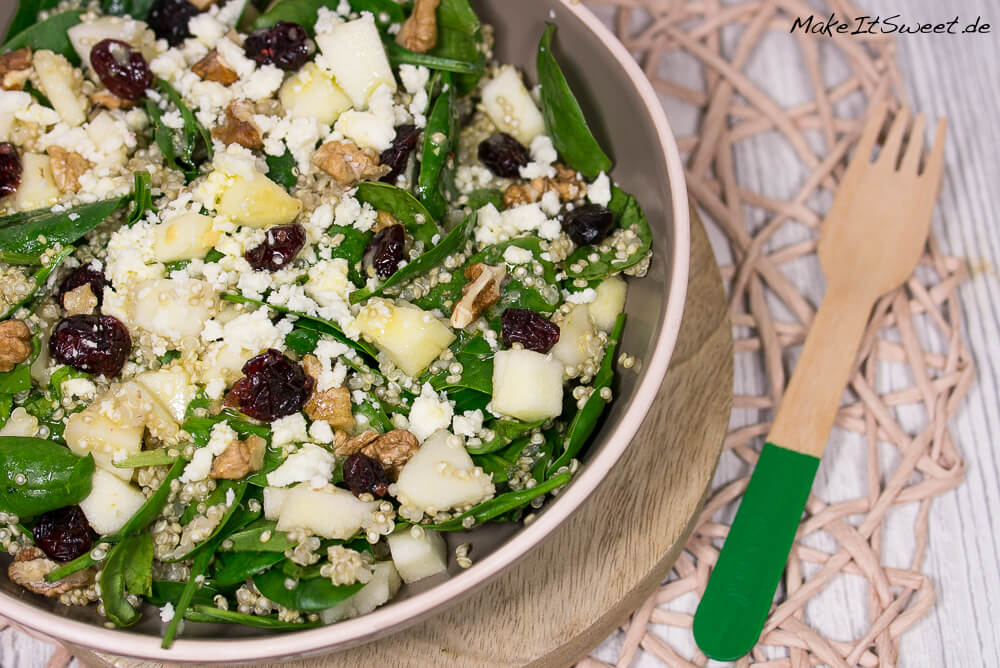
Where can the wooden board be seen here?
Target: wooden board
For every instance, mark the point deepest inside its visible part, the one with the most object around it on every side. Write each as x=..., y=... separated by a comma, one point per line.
x=566, y=596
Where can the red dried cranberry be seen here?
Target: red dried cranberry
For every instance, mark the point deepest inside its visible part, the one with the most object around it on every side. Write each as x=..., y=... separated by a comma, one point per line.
x=364, y=474
x=121, y=69
x=504, y=155
x=63, y=534
x=530, y=329
x=10, y=169
x=273, y=386
x=397, y=155
x=588, y=224
x=384, y=252
x=285, y=45
x=97, y=344
x=169, y=19
x=83, y=275
x=280, y=246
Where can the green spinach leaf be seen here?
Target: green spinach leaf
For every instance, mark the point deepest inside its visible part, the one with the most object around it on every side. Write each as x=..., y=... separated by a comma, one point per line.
x=37, y=476
x=251, y=538
x=440, y=139
x=504, y=503
x=232, y=568
x=304, y=12
x=302, y=341
x=137, y=9
x=142, y=196
x=459, y=38
x=139, y=565
x=401, y=204
x=32, y=232
x=308, y=595
x=282, y=169
x=183, y=148
x=113, y=582
x=399, y=55
x=48, y=34
x=27, y=15
x=629, y=220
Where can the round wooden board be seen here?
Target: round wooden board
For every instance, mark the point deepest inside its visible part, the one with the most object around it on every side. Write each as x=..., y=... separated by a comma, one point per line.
x=565, y=597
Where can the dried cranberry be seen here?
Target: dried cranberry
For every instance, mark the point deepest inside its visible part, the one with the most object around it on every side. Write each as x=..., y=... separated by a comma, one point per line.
x=121, y=69
x=530, y=329
x=384, y=252
x=169, y=19
x=280, y=246
x=364, y=474
x=83, y=275
x=397, y=155
x=504, y=155
x=273, y=386
x=588, y=224
x=63, y=534
x=92, y=343
x=285, y=45
x=10, y=169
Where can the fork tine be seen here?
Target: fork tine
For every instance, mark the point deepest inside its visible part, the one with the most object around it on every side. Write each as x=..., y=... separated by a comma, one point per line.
x=890, y=149
x=935, y=161
x=915, y=147
x=863, y=152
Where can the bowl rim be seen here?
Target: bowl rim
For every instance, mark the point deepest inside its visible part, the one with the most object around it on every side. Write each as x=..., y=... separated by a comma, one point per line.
x=382, y=621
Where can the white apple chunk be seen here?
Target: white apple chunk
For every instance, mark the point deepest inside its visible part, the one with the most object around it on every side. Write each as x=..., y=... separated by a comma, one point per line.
x=111, y=502
x=576, y=337
x=527, y=385
x=20, y=423
x=109, y=428
x=353, y=53
x=410, y=336
x=609, y=303
x=274, y=499
x=60, y=83
x=329, y=512
x=83, y=36
x=172, y=387
x=442, y=476
x=184, y=237
x=383, y=586
x=312, y=93
x=510, y=106
x=256, y=201
x=38, y=187
x=174, y=308
x=418, y=553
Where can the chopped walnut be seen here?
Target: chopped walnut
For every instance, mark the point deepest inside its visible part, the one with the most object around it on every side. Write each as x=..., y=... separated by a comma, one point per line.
x=348, y=163
x=565, y=183
x=15, y=68
x=213, y=68
x=392, y=449
x=332, y=405
x=80, y=300
x=239, y=458
x=67, y=168
x=109, y=100
x=15, y=344
x=30, y=567
x=419, y=33
x=384, y=219
x=481, y=292
x=518, y=194
x=239, y=128
x=355, y=444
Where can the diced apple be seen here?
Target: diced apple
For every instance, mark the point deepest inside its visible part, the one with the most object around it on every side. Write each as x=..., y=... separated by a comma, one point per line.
x=329, y=512
x=442, y=476
x=510, y=106
x=609, y=303
x=111, y=502
x=418, y=556
x=384, y=584
x=274, y=499
x=111, y=134
x=527, y=385
x=83, y=36
x=312, y=93
x=110, y=427
x=354, y=54
x=410, y=336
x=20, y=423
x=60, y=83
x=184, y=237
x=576, y=337
x=174, y=308
x=256, y=201
x=172, y=387
x=38, y=188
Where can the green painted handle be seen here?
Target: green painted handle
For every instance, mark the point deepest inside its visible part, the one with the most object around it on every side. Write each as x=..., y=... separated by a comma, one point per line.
x=739, y=594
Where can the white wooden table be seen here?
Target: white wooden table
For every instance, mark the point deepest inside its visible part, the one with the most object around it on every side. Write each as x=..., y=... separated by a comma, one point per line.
x=955, y=77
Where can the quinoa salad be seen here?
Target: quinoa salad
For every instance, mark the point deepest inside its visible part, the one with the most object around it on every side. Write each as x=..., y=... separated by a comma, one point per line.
x=288, y=289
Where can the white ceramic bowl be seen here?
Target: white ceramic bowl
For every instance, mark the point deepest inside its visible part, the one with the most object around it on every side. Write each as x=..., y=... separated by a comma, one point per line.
x=627, y=117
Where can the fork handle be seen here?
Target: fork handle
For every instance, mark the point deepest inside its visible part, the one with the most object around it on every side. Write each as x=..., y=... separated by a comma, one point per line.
x=733, y=610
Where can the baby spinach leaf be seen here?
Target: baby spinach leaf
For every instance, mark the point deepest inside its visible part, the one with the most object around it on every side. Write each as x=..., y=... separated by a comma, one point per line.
x=20, y=258
x=137, y=9
x=214, y=614
x=16, y=380
x=468, y=400
x=153, y=506
x=476, y=357
x=250, y=539
x=302, y=341
x=496, y=466
x=27, y=15
x=32, y=232
x=183, y=148
x=48, y=34
x=194, y=582
x=629, y=219
x=53, y=476
x=459, y=38
x=138, y=569
x=480, y=197
x=440, y=136
x=308, y=595
x=220, y=495
x=282, y=169
x=113, y=586
x=166, y=591
x=273, y=458
x=6, y=406
x=399, y=55
x=505, y=431
x=232, y=568
x=401, y=204
x=564, y=120
x=378, y=419
x=158, y=457
x=351, y=245
x=497, y=506
x=142, y=197
x=304, y=12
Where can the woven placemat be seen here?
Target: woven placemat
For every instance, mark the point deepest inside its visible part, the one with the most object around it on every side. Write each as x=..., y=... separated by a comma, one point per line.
x=762, y=166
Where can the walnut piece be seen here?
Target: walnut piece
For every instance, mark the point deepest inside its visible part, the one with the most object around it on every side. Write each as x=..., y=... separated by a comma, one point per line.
x=419, y=33
x=80, y=300
x=384, y=219
x=67, y=168
x=213, y=68
x=392, y=449
x=30, y=567
x=15, y=344
x=332, y=405
x=109, y=100
x=355, y=443
x=15, y=68
x=239, y=127
x=348, y=163
x=481, y=292
x=565, y=183
x=239, y=458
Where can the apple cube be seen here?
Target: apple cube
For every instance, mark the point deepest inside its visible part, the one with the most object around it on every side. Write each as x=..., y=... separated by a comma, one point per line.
x=442, y=476
x=527, y=385
x=354, y=54
x=384, y=584
x=111, y=502
x=510, y=106
x=312, y=93
x=171, y=387
x=609, y=303
x=61, y=84
x=329, y=512
x=20, y=423
x=576, y=337
x=418, y=556
x=107, y=428
x=256, y=201
x=83, y=36
x=174, y=308
x=38, y=188
x=410, y=336
x=274, y=499
x=184, y=237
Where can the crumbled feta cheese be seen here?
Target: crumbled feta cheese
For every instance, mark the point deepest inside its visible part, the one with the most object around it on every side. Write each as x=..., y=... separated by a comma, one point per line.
x=328, y=282
x=469, y=423
x=517, y=255
x=82, y=388
x=584, y=296
x=550, y=203
x=321, y=432
x=201, y=463
x=429, y=413
x=289, y=429
x=352, y=213
x=311, y=464
x=167, y=612
x=543, y=154
x=599, y=192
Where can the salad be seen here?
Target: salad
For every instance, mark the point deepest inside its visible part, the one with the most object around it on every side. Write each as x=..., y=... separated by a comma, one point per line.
x=289, y=290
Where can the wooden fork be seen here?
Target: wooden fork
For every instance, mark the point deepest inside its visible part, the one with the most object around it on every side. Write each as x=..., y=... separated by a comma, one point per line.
x=870, y=242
